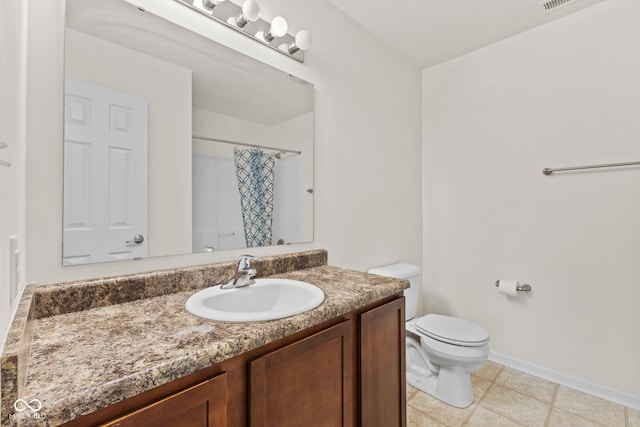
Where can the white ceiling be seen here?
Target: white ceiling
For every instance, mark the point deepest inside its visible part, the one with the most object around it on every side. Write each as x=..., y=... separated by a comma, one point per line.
x=429, y=32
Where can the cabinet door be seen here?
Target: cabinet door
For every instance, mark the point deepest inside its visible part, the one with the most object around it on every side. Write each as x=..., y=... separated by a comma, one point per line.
x=307, y=383
x=382, y=366
x=203, y=405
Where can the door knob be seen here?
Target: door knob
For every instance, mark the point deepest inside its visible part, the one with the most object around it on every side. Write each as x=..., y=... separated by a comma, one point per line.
x=137, y=239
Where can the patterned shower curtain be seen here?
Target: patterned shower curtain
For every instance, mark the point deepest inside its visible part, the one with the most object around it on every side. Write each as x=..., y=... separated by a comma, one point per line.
x=255, y=171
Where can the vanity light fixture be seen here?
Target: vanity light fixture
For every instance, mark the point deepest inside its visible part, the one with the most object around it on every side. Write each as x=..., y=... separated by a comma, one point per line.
x=246, y=19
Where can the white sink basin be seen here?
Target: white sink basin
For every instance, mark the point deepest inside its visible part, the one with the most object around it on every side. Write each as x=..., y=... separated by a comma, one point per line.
x=267, y=299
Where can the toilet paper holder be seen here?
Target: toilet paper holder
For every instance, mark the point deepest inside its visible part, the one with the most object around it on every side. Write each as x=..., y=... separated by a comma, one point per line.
x=520, y=288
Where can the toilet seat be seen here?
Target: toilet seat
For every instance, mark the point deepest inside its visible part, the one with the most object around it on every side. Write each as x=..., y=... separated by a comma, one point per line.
x=449, y=351
x=452, y=330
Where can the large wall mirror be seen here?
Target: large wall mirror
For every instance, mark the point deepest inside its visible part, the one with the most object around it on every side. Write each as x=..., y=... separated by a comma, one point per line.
x=175, y=144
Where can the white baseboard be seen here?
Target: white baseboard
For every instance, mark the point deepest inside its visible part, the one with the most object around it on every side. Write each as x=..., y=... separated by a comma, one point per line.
x=606, y=393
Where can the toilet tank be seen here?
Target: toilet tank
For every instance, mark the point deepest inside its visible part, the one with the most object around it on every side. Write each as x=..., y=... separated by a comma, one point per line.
x=410, y=272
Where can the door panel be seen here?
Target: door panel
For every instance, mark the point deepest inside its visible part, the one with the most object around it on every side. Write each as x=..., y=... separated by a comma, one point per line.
x=382, y=366
x=105, y=174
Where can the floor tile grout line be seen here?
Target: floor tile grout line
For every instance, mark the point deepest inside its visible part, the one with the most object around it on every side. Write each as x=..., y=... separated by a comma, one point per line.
x=425, y=415
x=504, y=416
x=552, y=404
x=491, y=383
x=486, y=392
x=473, y=411
x=556, y=385
x=498, y=413
x=477, y=404
x=626, y=417
x=588, y=418
x=524, y=394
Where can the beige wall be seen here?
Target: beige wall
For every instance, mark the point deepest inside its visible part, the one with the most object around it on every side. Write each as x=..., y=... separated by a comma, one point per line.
x=367, y=141
x=215, y=125
x=566, y=93
x=13, y=92
x=297, y=134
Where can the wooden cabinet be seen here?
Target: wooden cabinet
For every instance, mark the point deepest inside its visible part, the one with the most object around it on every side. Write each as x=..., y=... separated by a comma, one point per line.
x=349, y=372
x=382, y=366
x=307, y=383
x=203, y=405
x=312, y=382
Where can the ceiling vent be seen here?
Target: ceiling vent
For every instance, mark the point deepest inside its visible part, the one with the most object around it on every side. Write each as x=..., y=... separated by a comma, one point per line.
x=552, y=5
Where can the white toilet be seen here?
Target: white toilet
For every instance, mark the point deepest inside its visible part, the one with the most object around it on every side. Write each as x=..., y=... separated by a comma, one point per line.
x=442, y=351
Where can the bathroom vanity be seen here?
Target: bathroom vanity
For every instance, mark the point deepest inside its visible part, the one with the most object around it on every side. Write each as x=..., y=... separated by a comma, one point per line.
x=102, y=353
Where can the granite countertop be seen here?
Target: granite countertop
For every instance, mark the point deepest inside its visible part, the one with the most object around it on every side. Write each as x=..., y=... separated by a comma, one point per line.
x=82, y=361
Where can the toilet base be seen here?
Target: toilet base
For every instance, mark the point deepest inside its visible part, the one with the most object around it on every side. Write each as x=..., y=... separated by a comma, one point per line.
x=428, y=384
x=460, y=397
x=450, y=385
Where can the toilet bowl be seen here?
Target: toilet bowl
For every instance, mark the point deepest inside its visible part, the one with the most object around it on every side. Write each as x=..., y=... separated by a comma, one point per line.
x=441, y=351
x=440, y=362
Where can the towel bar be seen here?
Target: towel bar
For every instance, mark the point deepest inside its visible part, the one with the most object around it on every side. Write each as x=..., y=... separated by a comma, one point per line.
x=549, y=171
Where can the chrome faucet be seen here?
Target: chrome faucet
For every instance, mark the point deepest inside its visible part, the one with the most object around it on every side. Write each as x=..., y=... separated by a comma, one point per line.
x=245, y=274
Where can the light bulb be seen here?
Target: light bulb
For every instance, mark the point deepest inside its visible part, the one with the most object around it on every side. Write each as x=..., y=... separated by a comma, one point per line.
x=278, y=28
x=250, y=13
x=210, y=4
x=302, y=41
x=251, y=10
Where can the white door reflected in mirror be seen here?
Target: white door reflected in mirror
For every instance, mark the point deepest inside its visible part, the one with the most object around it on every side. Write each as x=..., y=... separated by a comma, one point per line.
x=105, y=174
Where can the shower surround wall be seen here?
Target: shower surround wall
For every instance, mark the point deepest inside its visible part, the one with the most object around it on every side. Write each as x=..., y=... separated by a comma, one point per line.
x=564, y=94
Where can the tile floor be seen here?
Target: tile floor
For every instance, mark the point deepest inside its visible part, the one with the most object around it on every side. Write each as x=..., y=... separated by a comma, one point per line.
x=506, y=397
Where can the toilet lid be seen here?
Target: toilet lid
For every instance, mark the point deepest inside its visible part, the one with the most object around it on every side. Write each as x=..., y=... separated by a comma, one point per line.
x=452, y=330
